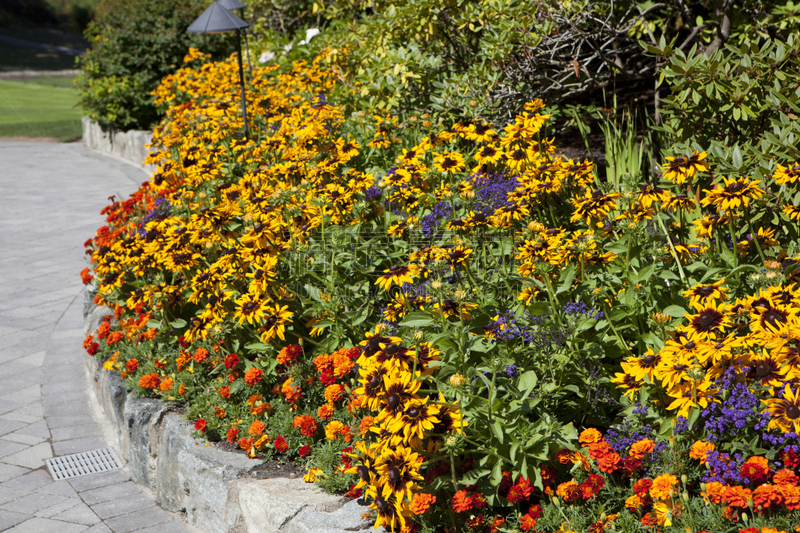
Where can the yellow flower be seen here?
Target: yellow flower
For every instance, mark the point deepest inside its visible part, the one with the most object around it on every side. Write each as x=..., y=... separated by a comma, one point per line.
x=313, y=474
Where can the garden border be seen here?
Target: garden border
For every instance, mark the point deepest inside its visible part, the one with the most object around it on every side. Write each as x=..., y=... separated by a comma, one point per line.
x=207, y=484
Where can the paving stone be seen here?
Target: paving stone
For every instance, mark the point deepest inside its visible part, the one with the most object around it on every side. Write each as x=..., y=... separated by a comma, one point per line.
x=7, y=494
x=171, y=527
x=32, y=457
x=60, y=488
x=28, y=440
x=99, y=528
x=37, y=429
x=32, y=502
x=64, y=505
x=8, y=447
x=122, y=506
x=69, y=420
x=79, y=514
x=10, y=426
x=94, y=481
x=86, y=444
x=137, y=520
x=75, y=432
x=46, y=525
x=9, y=519
x=33, y=480
x=111, y=492
x=11, y=471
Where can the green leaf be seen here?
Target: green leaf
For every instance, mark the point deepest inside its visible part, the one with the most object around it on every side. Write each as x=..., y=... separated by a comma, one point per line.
x=154, y=324
x=417, y=319
x=527, y=382
x=675, y=311
x=178, y=323
x=736, y=155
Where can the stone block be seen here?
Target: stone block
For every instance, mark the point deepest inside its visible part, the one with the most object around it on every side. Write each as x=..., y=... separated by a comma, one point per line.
x=269, y=505
x=137, y=415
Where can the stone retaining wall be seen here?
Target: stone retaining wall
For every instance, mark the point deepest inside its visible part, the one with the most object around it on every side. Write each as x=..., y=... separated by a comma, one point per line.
x=209, y=485
x=128, y=145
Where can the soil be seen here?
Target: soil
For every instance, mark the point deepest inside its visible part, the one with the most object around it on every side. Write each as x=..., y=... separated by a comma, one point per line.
x=266, y=470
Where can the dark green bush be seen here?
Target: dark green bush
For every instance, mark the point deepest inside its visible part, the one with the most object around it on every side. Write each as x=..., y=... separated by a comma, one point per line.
x=135, y=43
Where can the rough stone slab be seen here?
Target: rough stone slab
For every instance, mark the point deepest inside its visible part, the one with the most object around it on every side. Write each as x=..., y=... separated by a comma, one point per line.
x=346, y=519
x=270, y=504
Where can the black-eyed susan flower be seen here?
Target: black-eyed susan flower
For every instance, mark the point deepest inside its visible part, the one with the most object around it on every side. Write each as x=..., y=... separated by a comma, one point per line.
x=679, y=202
x=681, y=168
x=397, y=275
x=700, y=294
x=785, y=411
x=593, y=205
x=275, y=322
x=449, y=162
x=736, y=192
x=648, y=194
x=787, y=175
x=709, y=321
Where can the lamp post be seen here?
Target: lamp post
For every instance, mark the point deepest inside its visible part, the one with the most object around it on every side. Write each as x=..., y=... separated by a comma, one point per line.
x=235, y=5
x=217, y=19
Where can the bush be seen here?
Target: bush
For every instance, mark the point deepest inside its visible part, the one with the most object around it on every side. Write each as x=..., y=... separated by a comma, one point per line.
x=134, y=45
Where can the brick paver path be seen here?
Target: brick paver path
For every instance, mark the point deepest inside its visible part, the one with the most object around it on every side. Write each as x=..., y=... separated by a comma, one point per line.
x=50, y=198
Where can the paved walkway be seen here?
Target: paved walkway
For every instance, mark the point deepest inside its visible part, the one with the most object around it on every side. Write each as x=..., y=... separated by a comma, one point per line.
x=50, y=199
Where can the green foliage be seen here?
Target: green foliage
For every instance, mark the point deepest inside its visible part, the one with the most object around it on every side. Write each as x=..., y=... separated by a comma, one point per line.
x=740, y=103
x=134, y=45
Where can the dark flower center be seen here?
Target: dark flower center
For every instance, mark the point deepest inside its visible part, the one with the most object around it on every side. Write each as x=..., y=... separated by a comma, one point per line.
x=363, y=472
x=271, y=321
x=735, y=187
x=706, y=291
x=763, y=369
x=707, y=321
x=680, y=368
x=690, y=345
x=773, y=316
x=374, y=382
x=649, y=360
x=393, y=401
x=413, y=412
x=792, y=411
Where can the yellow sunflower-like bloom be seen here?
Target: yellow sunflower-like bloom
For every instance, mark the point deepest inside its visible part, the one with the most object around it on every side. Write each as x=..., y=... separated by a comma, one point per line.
x=680, y=168
x=735, y=193
x=785, y=412
x=397, y=275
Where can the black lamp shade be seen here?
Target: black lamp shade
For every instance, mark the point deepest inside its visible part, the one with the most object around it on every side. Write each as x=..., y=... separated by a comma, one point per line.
x=231, y=5
x=217, y=19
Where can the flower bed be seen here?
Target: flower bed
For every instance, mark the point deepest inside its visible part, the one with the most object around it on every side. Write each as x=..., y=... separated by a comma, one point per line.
x=457, y=323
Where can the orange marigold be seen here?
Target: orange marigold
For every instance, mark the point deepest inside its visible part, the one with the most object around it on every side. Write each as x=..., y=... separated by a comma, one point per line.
x=785, y=477
x=307, y=425
x=289, y=354
x=334, y=393
x=663, y=487
x=366, y=423
x=336, y=429
x=114, y=337
x=737, y=496
x=291, y=392
x=253, y=376
x=641, y=448
x=422, y=502
x=256, y=428
x=166, y=384
x=569, y=491
x=766, y=496
x=201, y=355
x=700, y=449
x=590, y=436
x=149, y=381
x=325, y=412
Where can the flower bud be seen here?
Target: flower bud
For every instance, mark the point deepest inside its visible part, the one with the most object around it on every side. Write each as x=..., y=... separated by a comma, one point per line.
x=457, y=380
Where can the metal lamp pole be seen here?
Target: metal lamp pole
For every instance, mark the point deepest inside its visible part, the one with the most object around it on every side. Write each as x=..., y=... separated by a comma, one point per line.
x=217, y=19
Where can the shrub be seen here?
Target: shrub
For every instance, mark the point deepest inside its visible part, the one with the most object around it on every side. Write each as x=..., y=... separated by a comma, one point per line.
x=740, y=102
x=134, y=45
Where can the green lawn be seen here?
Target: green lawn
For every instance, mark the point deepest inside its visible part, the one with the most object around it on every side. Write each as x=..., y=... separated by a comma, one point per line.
x=35, y=110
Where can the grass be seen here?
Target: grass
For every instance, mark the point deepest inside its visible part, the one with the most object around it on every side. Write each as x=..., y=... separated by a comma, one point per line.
x=30, y=109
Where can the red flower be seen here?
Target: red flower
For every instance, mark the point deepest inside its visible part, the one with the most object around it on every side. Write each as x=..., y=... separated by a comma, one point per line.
x=93, y=348
x=789, y=458
x=183, y=342
x=354, y=492
x=521, y=491
x=280, y=444
x=200, y=425
x=231, y=360
x=463, y=501
x=232, y=434
x=642, y=487
x=527, y=522
x=307, y=425
x=225, y=392
x=86, y=278
x=132, y=365
x=304, y=450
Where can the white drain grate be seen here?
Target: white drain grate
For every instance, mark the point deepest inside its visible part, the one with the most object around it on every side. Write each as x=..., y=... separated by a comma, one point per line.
x=82, y=464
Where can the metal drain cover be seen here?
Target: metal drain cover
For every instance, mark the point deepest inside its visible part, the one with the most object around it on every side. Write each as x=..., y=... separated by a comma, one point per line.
x=82, y=464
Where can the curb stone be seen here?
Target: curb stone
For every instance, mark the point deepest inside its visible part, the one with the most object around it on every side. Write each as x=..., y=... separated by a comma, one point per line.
x=129, y=145
x=207, y=484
